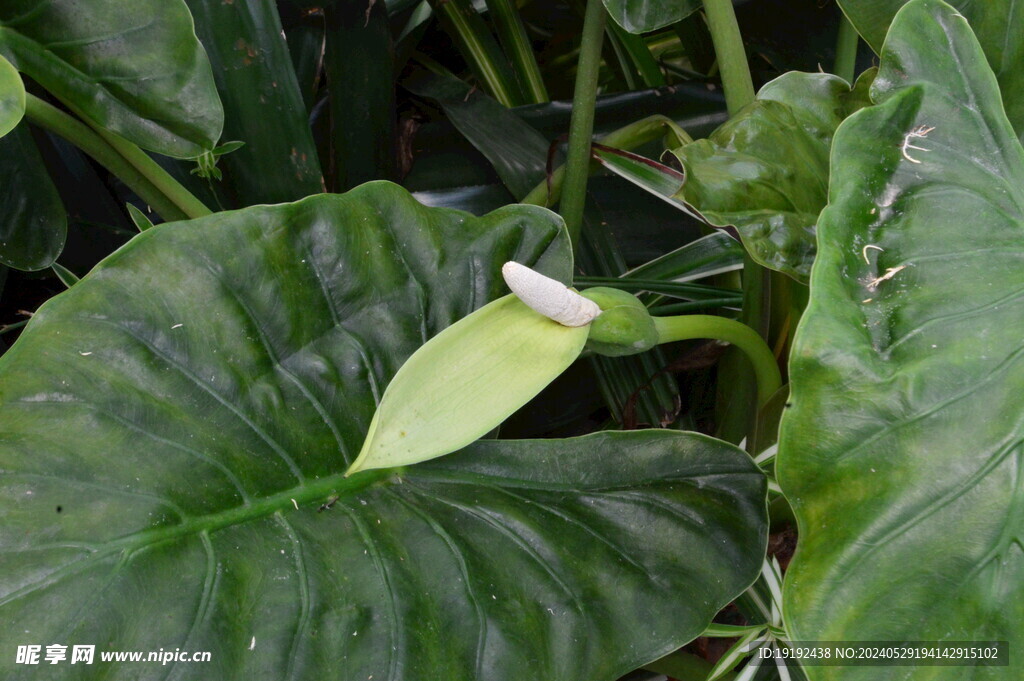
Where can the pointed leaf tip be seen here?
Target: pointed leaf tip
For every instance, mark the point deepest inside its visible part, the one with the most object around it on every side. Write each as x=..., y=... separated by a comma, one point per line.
x=548, y=296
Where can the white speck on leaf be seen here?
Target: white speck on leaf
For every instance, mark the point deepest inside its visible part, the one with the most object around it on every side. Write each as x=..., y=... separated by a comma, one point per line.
x=889, y=274
x=864, y=251
x=920, y=132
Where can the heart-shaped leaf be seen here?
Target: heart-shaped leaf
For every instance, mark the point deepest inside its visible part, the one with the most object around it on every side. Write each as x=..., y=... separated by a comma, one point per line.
x=12, y=97
x=901, y=453
x=641, y=16
x=33, y=223
x=172, y=423
x=132, y=66
x=766, y=170
x=998, y=25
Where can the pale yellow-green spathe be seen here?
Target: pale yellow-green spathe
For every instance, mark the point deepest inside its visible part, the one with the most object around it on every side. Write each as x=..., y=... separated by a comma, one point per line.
x=465, y=381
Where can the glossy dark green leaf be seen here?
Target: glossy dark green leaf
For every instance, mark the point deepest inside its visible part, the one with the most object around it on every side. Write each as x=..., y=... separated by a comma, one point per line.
x=998, y=24
x=133, y=67
x=360, y=61
x=33, y=224
x=766, y=170
x=901, y=454
x=12, y=97
x=241, y=356
x=517, y=151
x=262, y=103
x=640, y=16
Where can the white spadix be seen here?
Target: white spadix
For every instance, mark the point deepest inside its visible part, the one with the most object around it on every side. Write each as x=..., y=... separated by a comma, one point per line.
x=548, y=296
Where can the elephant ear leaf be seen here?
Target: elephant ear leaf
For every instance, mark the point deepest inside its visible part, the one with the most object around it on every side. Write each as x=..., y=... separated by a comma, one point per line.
x=198, y=500
x=998, y=25
x=902, y=449
x=134, y=67
x=765, y=172
x=12, y=97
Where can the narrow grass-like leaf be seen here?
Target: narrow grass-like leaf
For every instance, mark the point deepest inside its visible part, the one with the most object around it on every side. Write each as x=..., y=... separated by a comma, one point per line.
x=713, y=254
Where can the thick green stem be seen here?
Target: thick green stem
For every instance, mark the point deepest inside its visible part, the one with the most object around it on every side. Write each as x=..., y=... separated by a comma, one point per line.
x=158, y=177
x=627, y=137
x=512, y=34
x=690, y=327
x=737, y=418
x=732, y=57
x=846, y=50
x=82, y=136
x=581, y=126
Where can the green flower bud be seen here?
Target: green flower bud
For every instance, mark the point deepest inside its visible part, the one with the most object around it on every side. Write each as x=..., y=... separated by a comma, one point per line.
x=624, y=327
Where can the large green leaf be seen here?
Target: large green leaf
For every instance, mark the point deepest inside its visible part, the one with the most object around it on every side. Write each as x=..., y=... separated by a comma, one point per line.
x=640, y=16
x=901, y=453
x=998, y=25
x=172, y=423
x=766, y=170
x=12, y=97
x=263, y=106
x=33, y=223
x=132, y=66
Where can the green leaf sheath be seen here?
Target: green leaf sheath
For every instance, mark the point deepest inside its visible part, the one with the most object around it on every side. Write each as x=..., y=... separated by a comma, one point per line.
x=901, y=452
x=12, y=97
x=998, y=25
x=263, y=106
x=133, y=67
x=466, y=381
x=242, y=356
x=33, y=223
